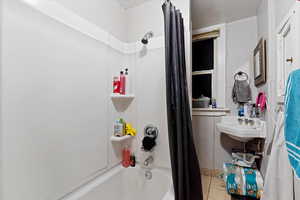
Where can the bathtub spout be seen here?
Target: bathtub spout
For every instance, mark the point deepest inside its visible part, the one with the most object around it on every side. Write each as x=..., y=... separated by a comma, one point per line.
x=149, y=161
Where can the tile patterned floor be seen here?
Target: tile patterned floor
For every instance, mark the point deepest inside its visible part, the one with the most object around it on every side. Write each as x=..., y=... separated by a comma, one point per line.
x=214, y=189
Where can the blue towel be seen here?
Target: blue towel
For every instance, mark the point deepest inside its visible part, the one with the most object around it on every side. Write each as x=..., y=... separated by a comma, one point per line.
x=292, y=120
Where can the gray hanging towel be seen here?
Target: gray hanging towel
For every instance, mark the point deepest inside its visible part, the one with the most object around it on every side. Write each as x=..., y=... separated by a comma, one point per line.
x=241, y=92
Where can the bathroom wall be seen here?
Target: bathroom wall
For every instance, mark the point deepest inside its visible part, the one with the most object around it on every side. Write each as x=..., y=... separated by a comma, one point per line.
x=150, y=71
x=149, y=16
x=108, y=15
x=151, y=103
x=281, y=9
x=263, y=23
x=56, y=110
x=263, y=19
x=241, y=39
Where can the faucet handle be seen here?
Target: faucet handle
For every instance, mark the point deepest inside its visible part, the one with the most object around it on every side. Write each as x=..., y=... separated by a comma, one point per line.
x=148, y=161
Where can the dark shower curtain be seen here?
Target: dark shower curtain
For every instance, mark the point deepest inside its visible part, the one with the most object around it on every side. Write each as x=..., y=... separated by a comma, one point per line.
x=185, y=166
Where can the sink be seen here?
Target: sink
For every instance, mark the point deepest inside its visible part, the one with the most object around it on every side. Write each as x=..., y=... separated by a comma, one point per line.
x=241, y=128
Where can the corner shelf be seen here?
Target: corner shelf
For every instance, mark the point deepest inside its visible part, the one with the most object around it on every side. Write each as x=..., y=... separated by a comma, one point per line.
x=121, y=102
x=118, y=144
x=119, y=96
x=120, y=139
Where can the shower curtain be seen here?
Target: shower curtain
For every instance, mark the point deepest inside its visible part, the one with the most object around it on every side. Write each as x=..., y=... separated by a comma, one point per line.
x=185, y=166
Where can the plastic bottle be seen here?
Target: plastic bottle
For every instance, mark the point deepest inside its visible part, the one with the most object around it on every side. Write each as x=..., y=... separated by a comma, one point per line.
x=246, y=110
x=213, y=103
x=118, y=129
x=241, y=111
x=116, y=85
x=123, y=123
x=132, y=160
x=122, y=83
x=127, y=84
x=126, y=157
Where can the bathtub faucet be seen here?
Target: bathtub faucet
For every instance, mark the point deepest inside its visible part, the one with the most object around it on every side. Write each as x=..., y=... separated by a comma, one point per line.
x=149, y=161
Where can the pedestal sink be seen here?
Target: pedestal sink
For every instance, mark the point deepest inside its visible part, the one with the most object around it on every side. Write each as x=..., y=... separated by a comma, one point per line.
x=242, y=129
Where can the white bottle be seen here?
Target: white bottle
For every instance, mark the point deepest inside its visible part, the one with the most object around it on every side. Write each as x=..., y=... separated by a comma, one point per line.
x=246, y=111
x=118, y=129
x=127, y=85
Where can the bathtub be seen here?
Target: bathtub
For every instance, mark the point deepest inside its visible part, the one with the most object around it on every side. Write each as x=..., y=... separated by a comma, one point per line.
x=127, y=184
x=137, y=187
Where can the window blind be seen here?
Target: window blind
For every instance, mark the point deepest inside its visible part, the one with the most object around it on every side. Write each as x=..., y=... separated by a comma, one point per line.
x=206, y=35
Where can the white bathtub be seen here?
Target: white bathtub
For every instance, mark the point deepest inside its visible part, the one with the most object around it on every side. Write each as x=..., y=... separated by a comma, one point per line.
x=128, y=184
x=137, y=187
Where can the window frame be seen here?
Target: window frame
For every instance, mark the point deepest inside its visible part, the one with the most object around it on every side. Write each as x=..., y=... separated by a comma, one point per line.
x=219, y=83
x=212, y=71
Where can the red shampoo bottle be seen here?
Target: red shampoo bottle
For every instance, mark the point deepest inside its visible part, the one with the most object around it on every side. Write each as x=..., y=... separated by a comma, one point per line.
x=126, y=157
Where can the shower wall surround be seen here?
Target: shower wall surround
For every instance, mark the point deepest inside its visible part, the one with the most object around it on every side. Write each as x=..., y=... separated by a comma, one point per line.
x=57, y=66
x=56, y=113
x=150, y=69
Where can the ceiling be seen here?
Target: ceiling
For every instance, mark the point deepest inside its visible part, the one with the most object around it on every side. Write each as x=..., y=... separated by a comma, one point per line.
x=211, y=12
x=130, y=3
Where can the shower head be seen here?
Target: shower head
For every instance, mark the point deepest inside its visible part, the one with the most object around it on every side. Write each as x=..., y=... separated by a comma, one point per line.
x=146, y=37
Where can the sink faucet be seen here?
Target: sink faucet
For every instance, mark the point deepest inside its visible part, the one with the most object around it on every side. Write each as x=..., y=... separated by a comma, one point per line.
x=149, y=161
x=246, y=121
x=249, y=121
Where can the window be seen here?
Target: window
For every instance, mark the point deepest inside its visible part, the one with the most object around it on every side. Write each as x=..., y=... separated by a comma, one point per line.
x=203, y=67
x=209, y=63
x=202, y=86
x=203, y=55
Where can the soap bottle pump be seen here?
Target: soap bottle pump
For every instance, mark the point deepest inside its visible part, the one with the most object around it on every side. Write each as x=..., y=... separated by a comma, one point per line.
x=122, y=83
